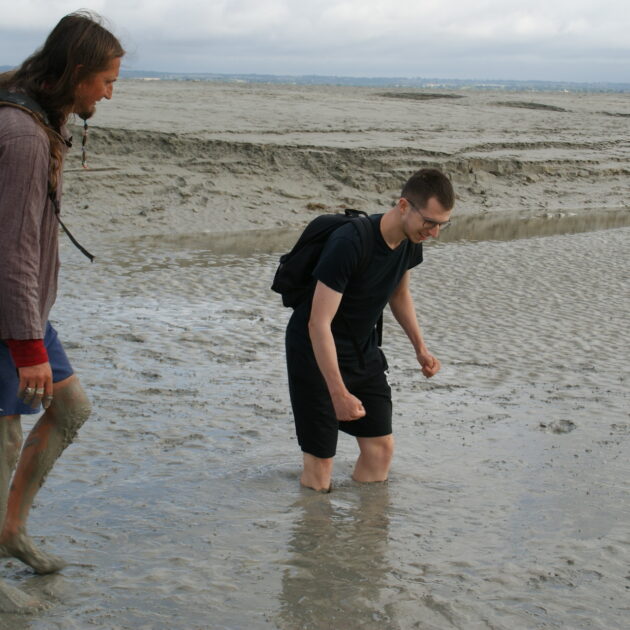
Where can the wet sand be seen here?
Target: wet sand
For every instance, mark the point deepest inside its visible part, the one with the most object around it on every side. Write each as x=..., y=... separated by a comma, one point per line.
x=179, y=507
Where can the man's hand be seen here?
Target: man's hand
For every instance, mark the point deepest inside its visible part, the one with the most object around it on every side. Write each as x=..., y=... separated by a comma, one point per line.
x=347, y=407
x=430, y=365
x=36, y=386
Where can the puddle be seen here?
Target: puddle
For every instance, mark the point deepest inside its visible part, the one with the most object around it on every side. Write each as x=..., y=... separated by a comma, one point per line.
x=490, y=227
x=500, y=227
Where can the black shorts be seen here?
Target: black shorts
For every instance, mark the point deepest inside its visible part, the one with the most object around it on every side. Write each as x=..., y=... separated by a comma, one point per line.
x=316, y=426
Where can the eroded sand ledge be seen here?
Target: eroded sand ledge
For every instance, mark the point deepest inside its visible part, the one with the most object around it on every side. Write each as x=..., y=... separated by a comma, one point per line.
x=188, y=157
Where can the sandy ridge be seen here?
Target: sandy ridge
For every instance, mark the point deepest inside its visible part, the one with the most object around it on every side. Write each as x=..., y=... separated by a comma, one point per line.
x=217, y=158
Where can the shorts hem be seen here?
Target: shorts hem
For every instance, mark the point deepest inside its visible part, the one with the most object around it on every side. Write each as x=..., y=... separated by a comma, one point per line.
x=308, y=452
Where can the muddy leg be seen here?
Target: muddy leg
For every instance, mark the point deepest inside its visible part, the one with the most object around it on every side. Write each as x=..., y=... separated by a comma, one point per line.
x=10, y=445
x=54, y=431
x=12, y=600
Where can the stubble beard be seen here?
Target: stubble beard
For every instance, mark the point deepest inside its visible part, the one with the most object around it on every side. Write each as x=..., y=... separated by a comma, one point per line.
x=87, y=114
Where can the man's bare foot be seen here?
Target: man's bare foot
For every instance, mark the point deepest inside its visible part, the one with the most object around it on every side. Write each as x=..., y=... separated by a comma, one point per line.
x=22, y=547
x=13, y=600
x=327, y=490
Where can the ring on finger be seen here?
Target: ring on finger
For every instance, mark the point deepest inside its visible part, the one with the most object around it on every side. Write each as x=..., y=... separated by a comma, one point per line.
x=39, y=392
x=29, y=391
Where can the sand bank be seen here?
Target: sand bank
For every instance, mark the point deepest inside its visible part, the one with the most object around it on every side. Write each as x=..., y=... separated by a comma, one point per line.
x=188, y=157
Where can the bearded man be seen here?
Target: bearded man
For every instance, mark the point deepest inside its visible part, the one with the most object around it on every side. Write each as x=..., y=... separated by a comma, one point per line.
x=76, y=67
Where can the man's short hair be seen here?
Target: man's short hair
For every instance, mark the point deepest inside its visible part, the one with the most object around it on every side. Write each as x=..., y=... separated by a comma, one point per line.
x=428, y=183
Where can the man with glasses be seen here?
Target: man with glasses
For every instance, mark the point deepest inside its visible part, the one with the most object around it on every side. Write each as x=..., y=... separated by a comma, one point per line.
x=336, y=369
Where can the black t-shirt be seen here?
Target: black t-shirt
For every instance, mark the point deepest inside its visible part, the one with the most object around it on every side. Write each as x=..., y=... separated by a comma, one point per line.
x=365, y=295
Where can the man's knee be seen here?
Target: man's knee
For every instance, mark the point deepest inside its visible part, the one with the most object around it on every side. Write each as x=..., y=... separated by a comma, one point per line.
x=378, y=451
x=70, y=407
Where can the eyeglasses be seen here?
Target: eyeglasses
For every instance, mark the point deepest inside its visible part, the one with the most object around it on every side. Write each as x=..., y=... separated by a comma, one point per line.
x=430, y=223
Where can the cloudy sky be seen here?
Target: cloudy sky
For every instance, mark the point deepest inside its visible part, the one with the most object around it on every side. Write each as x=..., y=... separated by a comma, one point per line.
x=557, y=40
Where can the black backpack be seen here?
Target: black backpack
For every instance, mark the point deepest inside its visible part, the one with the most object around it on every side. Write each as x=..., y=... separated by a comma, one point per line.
x=294, y=276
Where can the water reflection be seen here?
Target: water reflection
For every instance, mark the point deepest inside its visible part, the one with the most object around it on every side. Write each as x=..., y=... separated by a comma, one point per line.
x=43, y=588
x=510, y=227
x=338, y=565
x=497, y=226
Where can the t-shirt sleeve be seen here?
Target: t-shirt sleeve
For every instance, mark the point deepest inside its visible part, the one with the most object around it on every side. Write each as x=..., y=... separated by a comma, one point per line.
x=339, y=259
x=415, y=255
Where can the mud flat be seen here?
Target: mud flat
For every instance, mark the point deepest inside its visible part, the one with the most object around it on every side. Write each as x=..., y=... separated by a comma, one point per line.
x=179, y=506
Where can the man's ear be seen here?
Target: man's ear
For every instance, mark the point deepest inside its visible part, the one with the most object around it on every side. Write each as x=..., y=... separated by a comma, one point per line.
x=77, y=72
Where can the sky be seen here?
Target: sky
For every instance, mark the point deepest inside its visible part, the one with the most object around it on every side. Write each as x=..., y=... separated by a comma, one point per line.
x=545, y=40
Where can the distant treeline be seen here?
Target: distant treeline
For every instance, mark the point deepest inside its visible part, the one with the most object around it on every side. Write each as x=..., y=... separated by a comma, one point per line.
x=391, y=82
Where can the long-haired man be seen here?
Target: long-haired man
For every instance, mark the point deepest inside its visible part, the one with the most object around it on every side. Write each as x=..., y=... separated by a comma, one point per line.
x=76, y=67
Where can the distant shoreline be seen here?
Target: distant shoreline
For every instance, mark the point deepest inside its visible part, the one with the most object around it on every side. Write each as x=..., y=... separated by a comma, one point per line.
x=507, y=85
x=382, y=82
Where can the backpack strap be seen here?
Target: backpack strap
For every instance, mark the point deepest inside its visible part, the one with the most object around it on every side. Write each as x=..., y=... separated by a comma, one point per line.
x=365, y=229
x=25, y=103
x=34, y=109
x=368, y=237
x=31, y=107
x=53, y=199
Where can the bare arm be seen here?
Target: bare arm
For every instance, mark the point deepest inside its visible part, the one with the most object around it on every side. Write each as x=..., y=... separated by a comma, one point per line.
x=325, y=305
x=404, y=311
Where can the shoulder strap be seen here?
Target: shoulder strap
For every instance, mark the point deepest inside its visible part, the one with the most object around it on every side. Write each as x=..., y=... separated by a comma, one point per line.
x=25, y=103
x=365, y=228
x=53, y=199
x=33, y=108
x=366, y=231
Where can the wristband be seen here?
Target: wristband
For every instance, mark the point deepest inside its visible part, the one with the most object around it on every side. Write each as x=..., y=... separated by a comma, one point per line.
x=27, y=352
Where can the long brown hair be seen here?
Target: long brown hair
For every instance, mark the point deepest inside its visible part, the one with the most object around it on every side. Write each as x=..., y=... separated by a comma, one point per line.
x=77, y=48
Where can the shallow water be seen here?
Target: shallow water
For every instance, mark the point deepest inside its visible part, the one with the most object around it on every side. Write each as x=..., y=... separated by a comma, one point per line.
x=493, y=226
x=179, y=506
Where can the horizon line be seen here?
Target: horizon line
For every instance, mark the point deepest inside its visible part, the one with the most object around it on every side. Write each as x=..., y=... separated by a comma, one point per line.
x=367, y=77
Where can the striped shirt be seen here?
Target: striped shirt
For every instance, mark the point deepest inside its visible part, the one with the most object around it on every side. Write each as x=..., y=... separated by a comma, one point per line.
x=29, y=250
